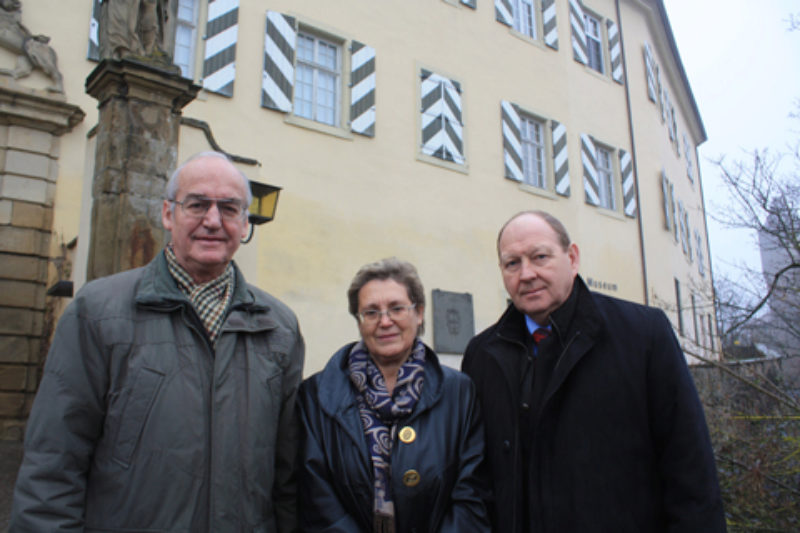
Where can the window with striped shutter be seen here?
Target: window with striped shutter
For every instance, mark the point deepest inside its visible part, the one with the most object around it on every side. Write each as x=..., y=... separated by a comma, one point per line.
x=577, y=23
x=650, y=74
x=591, y=185
x=687, y=153
x=665, y=192
x=614, y=51
x=522, y=14
x=219, y=59
x=362, y=89
x=560, y=158
x=277, y=83
x=628, y=185
x=303, y=75
x=512, y=144
x=441, y=118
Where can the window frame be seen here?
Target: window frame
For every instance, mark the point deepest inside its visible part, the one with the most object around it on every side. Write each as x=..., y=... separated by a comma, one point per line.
x=607, y=189
x=542, y=147
x=190, y=71
x=599, y=40
x=317, y=68
x=533, y=25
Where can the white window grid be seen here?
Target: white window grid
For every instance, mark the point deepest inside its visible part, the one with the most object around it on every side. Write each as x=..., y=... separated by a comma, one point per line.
x=186, y=37
x=317, y=79
x=525, y=17
x=533, y=151
x=594, y=42
x=605, y=178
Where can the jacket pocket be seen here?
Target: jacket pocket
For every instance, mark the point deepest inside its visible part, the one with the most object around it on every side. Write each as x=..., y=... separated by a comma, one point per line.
x=140, y=400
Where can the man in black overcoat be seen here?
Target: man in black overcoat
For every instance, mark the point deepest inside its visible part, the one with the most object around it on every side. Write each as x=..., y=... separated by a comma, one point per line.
x=593, y=423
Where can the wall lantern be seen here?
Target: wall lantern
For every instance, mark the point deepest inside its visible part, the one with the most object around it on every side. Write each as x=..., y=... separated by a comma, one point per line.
x=263, y=207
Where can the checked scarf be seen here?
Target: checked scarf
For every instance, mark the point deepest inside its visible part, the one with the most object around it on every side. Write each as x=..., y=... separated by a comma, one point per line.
x=210, y=300
x=381, y=412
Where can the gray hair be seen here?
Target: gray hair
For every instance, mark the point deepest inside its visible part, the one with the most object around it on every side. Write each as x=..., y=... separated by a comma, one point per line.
x=392, y=268
x=553, y=222
x=172, y=184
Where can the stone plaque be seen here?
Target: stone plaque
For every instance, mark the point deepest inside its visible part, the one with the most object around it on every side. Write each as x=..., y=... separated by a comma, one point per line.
x=453, y=321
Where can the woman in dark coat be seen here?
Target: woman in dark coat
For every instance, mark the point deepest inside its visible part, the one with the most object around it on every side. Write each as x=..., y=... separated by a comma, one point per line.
x=391, y=440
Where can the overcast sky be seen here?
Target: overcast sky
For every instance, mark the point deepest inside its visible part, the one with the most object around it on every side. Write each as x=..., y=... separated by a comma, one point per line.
x=743, y=65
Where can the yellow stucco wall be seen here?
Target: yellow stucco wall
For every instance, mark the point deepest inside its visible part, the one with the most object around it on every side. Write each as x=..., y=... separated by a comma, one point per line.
x=349, y=199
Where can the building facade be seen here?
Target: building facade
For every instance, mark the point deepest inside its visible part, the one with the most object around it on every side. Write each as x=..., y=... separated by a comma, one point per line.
x=413, y=129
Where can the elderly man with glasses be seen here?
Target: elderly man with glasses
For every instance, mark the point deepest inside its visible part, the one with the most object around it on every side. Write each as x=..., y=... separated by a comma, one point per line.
x=167, y=401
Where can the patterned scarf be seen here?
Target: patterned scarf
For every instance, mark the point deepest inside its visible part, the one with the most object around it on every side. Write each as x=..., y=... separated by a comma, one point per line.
x=380, y=413
x=210, y=300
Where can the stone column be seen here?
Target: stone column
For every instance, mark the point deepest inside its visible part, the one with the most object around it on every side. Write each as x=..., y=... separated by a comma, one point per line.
x=31, y=123
x=137, y=146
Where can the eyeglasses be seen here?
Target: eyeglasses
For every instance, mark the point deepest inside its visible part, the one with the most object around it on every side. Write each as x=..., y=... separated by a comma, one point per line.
x=395, y=313
x=197, y=206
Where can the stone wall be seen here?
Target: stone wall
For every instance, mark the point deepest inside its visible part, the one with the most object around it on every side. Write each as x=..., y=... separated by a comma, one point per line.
x=31, y=123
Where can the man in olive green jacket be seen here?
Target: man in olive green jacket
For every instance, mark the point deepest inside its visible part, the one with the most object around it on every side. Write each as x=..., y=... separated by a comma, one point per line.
x=167, y=401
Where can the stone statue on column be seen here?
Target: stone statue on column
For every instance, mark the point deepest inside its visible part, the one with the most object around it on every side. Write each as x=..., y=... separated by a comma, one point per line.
x=33, y=51
x=137, y=29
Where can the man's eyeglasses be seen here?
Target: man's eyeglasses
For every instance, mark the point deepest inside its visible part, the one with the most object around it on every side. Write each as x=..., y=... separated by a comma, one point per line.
x=395, y=313
x=198, y=206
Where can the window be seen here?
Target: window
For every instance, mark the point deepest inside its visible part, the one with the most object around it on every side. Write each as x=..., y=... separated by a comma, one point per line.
x=533, y=151
x=303, y=76
x=594, y=42
x=186, y=37
x=694, y=320
x=317, y=79
x=605, y=178
x=524, y=17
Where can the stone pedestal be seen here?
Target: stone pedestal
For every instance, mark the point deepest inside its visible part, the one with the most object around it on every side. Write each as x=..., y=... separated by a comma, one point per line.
x=31, y=123
x=137, y=146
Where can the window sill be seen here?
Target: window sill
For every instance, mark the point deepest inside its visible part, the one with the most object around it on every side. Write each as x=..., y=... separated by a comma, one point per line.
x=318, y=126
x=612, y=213
x=538, y=191
x=535, y=41
x=449, y=165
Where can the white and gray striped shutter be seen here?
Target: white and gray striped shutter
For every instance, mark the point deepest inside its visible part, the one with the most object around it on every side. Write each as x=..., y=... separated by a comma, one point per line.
x=673, y=205
x=687, y=153
x=663, y=96
x=362, y=89
x=614, y=51
x=628, y=189
x=682, y=224
x=93, y=52
x=277, y=78
x=666, y=197
x=442, y=128
x=470, y=3
x=649, y=72
x=560, y=158
x=689, y=245
x=503, y=12
x=576, y=21
x=699, y=243
x=589, y=159
x=512, y=143
x=222, y=33
x=549, y=23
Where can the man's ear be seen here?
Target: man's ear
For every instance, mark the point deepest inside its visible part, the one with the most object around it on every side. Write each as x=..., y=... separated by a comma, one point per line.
x=574, y=257
x=166, y=215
